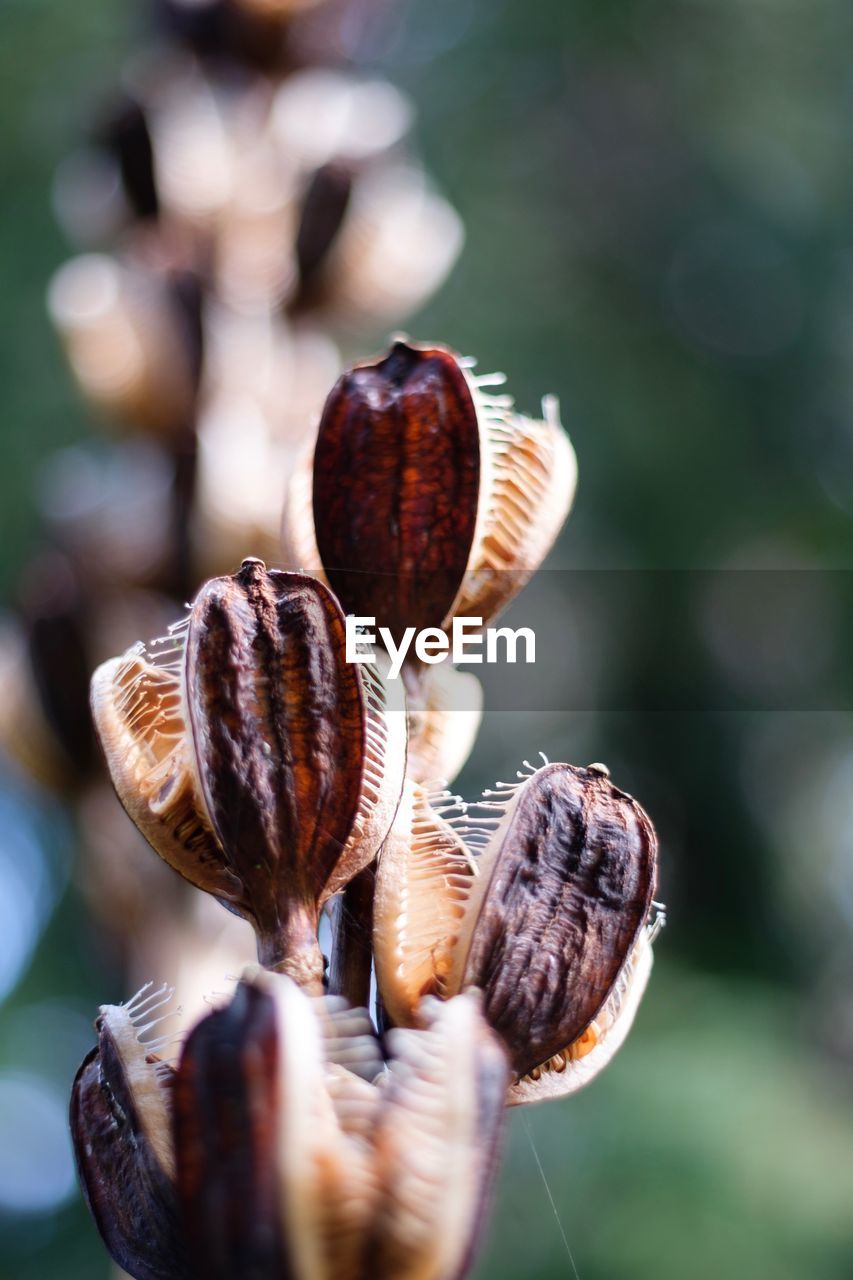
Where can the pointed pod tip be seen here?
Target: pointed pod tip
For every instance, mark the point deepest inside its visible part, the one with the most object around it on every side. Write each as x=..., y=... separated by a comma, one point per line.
x=405, y=359
x=252, y=569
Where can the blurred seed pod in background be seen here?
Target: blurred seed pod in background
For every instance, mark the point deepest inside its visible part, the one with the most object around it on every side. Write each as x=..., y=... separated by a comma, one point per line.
x=395, y=247
x=266, y=380
x=45, y=722
x=131, y=345
x=219, y=194
x=195, y=944
x=109, y=183
x=110, y=507
x=276, y=37
x=63, y=629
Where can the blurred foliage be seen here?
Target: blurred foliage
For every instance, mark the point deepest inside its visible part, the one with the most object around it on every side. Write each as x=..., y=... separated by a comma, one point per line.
x=659, y=207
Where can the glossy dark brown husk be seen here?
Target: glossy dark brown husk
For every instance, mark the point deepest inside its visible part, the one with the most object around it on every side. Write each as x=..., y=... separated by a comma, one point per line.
x=570, y=889
x=278, y=723
x=130, y=1197
x=396, y=486
x=227, y=1115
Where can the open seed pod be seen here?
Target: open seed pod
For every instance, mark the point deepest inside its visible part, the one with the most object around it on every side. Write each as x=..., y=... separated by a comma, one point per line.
x=121, y=1106
x=325, y=1174
x=253, y=757
x=452, y=498
x=541, y=898
x=282, y=1146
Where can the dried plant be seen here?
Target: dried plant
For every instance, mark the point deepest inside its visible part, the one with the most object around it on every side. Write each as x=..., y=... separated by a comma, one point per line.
x=510, y=940
x=247, y=208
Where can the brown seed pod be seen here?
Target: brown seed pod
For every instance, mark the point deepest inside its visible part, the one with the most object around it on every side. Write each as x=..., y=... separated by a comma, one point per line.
x=132, y=341
x=298, y=1187
x=298, y=1155
x=452, y=498
x=225, y=1140
x=121, y=1130
x=395, y=539
x=258, y=762
x=544, y=920
x=282, y=1146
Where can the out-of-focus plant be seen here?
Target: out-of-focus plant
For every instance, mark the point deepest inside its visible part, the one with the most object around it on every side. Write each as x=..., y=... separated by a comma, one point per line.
x=247, y=201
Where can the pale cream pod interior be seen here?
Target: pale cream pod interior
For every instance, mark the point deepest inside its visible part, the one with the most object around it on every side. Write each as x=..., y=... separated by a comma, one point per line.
x=528, y=477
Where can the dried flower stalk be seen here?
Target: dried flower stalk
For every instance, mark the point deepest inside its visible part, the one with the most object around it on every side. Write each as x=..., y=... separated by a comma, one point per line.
x=510, y=941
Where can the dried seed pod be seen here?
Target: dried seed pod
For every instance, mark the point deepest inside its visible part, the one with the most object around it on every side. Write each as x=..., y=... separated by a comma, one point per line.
x=291, y=1162
x=271, y=1184
x=121, y=1129
x=453, y=498
x=282, y=1146
x=254, y=758
x=395, y=540
x=545, y=919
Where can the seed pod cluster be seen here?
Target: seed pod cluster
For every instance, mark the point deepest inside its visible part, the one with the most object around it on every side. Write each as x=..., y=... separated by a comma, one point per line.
x=510, y=940
x=283, y=1145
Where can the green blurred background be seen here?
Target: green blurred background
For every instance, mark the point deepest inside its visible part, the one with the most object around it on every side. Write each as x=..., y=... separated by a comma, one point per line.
x=659, y=208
